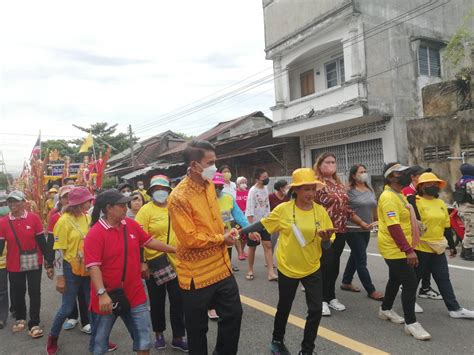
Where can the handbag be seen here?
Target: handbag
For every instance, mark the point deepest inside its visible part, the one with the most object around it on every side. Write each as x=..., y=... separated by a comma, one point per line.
x=160, y=267
x=28, y=258
x=120, y=303
x=78, y=266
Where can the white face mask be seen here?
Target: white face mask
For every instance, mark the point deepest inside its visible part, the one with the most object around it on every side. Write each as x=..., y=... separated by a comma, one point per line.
x=243, y=186
x=126, y=193
x=160, y=196
x=209, y=172
x=364, y=177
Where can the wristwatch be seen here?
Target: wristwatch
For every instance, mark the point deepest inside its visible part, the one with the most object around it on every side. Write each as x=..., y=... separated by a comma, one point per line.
x=101, y=291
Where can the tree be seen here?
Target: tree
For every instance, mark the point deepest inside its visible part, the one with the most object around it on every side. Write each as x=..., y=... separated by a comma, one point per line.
x=104, y=134
x=184, y=136
x=65, y=148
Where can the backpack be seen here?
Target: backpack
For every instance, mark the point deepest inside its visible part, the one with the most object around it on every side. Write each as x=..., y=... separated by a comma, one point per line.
x=460, y=194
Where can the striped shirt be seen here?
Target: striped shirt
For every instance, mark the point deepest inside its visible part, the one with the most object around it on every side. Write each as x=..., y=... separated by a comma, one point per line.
x=201, y=255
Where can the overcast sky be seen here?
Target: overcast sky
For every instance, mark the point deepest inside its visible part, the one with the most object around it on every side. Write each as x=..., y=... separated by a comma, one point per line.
x=65, y=62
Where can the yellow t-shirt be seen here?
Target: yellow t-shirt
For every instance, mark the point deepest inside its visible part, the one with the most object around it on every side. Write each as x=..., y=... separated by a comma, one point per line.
x=154, y=221
x=293, y=260
x=435, y=217
x=391, y=211
x=68, y=233
x=144, y=194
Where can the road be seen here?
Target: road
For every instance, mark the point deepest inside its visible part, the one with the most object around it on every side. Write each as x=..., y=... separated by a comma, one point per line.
x=356, y=330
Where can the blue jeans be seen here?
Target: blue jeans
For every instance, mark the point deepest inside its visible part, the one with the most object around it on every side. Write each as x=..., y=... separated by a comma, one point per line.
x=358, y=242
x=138, y=324
x=438, y=266
x=73, y=284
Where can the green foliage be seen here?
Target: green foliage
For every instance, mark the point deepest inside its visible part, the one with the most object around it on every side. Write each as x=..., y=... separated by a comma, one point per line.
x=65, y=148
x=184, y=136
x=109, y=182
x=455, y=51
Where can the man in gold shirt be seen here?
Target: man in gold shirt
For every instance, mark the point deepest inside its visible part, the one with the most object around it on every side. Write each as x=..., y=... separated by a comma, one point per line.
x=203, y=265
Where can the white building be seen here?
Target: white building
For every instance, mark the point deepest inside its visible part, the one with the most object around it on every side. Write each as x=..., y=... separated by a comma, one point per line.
x=348, y=74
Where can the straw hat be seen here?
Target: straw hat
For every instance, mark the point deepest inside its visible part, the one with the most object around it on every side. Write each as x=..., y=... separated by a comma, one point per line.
x=305, y=176
x=430, y=177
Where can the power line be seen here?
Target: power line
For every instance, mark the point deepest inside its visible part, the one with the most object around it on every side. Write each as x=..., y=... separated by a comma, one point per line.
x=271, y=77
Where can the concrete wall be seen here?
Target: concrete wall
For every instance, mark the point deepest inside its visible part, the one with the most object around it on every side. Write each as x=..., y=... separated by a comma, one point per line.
x=393, y=84
x=452, y=131
x=284, y=18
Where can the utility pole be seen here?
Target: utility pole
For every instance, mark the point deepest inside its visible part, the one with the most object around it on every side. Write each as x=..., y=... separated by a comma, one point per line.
x=131, y=144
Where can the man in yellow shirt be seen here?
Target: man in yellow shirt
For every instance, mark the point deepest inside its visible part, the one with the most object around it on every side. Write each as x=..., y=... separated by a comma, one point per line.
x=203, y=264
x=141, y=189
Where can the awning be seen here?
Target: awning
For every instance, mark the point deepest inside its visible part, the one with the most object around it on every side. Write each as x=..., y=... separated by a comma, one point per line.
x=152, y=166
x=136, y=173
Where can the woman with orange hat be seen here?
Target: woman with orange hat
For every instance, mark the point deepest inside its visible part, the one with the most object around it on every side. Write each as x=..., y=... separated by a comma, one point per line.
x=431, y=250
x=305, y=229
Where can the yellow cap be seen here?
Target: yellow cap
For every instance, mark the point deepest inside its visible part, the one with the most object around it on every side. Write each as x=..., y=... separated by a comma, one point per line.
x=430, y=177
x=51, y=190
x=305, y=176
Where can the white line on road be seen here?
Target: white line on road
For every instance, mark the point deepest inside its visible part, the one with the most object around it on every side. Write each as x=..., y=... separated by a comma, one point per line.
x=449, y=265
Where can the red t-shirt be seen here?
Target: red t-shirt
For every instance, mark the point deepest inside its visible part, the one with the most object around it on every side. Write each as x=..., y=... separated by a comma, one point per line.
x=104, y=247
x=241, y=199
x=275, y=201
x=27, y=228
x=409, y=190
x=52, y=221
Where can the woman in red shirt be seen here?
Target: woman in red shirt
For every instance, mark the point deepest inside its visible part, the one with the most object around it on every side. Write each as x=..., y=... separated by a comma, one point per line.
x=334, y=198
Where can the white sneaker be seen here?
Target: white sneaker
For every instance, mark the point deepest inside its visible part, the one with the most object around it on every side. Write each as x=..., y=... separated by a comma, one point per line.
x=417, y=331
x=418, y=308
x=86, y=329
x=326, y=310
x=70, y=324
x=391, y=316
x=462, y=313
x=336, y=305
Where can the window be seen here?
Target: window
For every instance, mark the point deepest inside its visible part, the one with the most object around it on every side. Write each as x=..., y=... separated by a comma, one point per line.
x=307, y=83
x=429, y=61
x=438, y=153
x=335, y=74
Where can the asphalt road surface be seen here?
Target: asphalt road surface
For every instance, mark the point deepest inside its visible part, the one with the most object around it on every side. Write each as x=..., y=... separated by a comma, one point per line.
x=356, y=330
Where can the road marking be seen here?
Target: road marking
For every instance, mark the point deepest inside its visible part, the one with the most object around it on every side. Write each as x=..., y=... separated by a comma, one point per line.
x=322, y=332
x=449, y=265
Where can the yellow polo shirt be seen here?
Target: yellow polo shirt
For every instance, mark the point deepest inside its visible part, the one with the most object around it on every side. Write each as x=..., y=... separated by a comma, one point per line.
x=154, y=221
x=391, y=211
x=68, y=232
x=435, y=217
x=293, y=260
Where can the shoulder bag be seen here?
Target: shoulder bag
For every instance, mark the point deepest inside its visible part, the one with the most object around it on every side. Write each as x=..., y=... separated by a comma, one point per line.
x=28, y=258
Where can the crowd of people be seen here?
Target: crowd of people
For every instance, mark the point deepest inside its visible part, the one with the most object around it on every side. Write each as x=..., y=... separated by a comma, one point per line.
x=124, y=251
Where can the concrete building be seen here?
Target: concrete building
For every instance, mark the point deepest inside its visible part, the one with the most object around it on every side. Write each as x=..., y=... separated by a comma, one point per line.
x=348, y=74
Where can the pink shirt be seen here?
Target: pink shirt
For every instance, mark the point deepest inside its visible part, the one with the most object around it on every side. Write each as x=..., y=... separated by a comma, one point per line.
x=241, y=199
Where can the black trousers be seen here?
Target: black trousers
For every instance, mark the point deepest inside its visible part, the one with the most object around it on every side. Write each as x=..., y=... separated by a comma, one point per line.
x=224, y=295
x=18, y=282
x=330, y=262
x=438, y=266
x=287, y=288
x=157, y=297
x=400, y=273
x=82, y=308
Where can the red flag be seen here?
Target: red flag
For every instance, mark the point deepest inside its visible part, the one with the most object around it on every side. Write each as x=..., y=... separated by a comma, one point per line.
x=37, y=148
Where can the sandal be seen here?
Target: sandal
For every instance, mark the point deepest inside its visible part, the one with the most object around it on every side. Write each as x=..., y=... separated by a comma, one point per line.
x=19, y=326
x=235, y=268
x=274, y=278
x=376, y=295
x=36, y=332
x=250, y=276
x=350, y=287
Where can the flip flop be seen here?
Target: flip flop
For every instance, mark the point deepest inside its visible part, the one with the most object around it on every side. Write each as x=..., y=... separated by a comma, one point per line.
x=250, y=276
x=273, y=279
x=36, y=332
x=350, y=288
x=19, y=326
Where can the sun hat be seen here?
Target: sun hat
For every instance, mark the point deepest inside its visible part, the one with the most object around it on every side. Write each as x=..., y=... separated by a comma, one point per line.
x=305, y=176
x=78, y=195
x=159, y=180
x=218, y=179
x=53, y=190
x=430, y=177
x=395, y=168
x=63, y=190
x=16, y=195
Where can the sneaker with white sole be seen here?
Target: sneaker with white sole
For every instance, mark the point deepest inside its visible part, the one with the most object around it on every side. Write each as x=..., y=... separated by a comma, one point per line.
x=417, y=331
x=462, y=313
x=336, y=305
x=326, y=310
x=86, y=329
x=391, y=316
x=70, y=324
x=418, y=308
x=429, y=293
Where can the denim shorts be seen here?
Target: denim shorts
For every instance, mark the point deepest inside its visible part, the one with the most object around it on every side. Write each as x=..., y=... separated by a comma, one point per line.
x=137, y=321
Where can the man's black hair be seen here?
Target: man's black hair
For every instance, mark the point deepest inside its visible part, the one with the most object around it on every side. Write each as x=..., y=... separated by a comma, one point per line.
x=196, y=150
